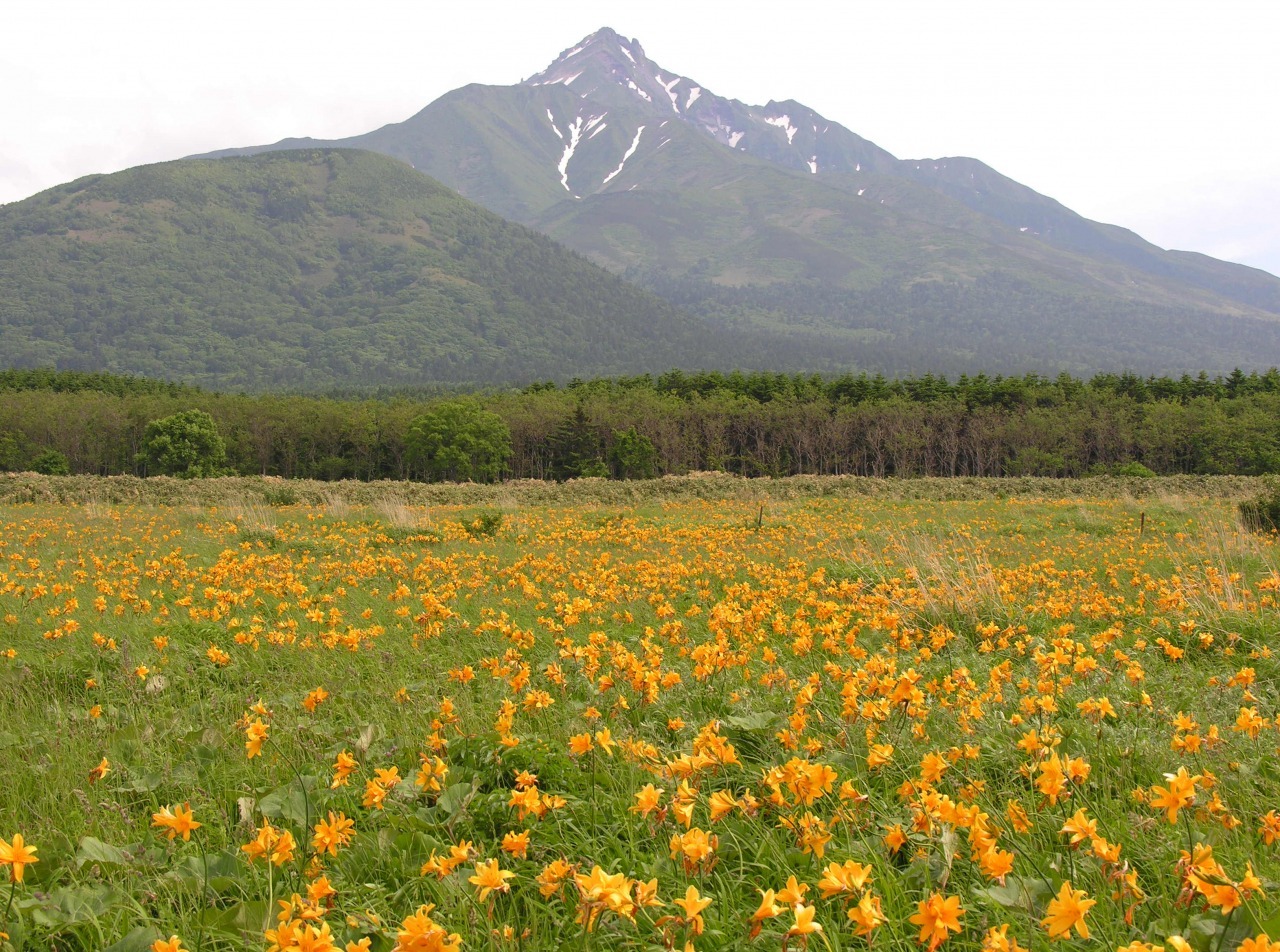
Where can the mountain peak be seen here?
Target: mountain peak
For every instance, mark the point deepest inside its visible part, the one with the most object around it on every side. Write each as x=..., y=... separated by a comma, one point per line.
x=605, y=50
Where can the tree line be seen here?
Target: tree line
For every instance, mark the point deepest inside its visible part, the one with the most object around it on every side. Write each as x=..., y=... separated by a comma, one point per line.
x=752, y=424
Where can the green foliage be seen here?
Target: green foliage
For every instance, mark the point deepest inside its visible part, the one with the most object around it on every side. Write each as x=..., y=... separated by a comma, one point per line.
x=1262, y=513
x=484, y=524
x=459, y=441
x=11, y=453
x=633, y=455
x=186, y=444
x=309, y=270
x=1133, y=469
x=576, y=448
x=748, y=424
x=51, y=463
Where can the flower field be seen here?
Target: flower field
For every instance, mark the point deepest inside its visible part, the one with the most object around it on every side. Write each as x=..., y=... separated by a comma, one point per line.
x=1019, y=723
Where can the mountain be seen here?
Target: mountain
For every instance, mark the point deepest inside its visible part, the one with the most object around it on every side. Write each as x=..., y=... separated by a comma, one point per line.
x=317, y=270
x=760, y=237
x=775, y=217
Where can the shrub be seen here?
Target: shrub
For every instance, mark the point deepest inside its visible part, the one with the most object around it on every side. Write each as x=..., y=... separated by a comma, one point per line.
x=1262, y=513
x=186, y=444
x=51, y=463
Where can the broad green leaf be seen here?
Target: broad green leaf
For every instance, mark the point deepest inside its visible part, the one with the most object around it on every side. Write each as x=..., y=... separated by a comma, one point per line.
x=69, y=905
x=454, y=798
x=142, y=784
x=140, y=939
x=292, y=802
x=1018, y=893
x=241, y=919
x=93, y=850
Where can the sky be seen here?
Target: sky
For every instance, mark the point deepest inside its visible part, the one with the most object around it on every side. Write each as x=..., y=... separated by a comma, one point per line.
x=1157, y=115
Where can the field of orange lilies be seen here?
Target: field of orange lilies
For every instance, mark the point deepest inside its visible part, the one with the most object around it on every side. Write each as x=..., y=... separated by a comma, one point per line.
x=693, y=724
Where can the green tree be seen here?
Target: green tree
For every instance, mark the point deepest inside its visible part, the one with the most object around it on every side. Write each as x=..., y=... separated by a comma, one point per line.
x=51, y=463
x=576, y=449
x=11, y=453
x=633, y=455
x=186, y=444
x=460, y=441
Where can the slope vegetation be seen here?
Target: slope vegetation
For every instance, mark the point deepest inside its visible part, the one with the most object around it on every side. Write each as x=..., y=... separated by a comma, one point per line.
x=315, y=270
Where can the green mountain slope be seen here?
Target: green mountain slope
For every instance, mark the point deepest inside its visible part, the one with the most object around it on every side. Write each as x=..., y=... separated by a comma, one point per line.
x=316, y=270
x=652, y=175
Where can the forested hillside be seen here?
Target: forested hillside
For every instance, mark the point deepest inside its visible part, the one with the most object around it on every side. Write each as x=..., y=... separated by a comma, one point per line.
x=314, y=270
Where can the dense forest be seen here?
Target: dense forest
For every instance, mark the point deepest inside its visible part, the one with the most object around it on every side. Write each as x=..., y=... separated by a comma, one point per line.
x=752, y=424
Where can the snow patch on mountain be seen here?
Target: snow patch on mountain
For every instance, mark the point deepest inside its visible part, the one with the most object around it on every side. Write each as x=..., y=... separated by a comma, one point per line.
x=575, y=133
x=693, y=96
x=635, y=143
x=813, y=165
x=638, y=91
x=626, y=52
x=670, y=87
x=554, y=128
x=783, y=122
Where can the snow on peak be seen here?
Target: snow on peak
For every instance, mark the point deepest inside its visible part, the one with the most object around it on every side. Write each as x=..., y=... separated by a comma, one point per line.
x=635, y=143
x=783, y=122
x=627, y=53
x=694, y=93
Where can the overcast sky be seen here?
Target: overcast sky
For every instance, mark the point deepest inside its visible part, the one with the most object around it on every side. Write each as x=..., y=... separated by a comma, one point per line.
x=1158, y=115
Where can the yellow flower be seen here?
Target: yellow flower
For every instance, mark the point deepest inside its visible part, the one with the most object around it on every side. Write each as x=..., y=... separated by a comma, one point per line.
x=937, y=916
x=693, y=906
x=491, y=879
x=342, y=768
x=998, y=939
x=1180, y=793
x=647, y=799
x=847, y=877
x=335, y=832
x=878, y=755
x=793, y=892
x=17, y=855
x=177, y=820
x=867, y=915
x=255, y=736
x=100, y=771
x=1259, y=943
x=804, y=921
x=1068, y=909
x=418, y=933
x=517, y=844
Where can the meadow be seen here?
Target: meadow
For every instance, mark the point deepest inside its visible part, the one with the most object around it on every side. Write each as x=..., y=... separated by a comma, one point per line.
x=704, y=713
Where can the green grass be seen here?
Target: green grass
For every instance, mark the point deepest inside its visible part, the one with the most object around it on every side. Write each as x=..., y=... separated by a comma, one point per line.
x=584, y=593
